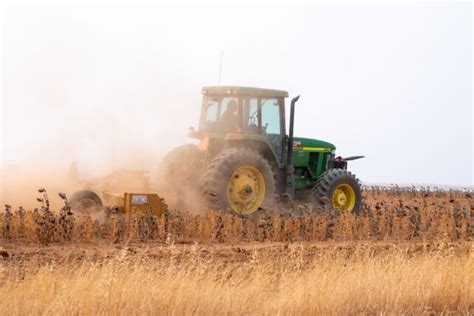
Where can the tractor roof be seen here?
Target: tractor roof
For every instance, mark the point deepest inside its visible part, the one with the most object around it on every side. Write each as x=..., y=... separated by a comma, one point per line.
x=244, y=91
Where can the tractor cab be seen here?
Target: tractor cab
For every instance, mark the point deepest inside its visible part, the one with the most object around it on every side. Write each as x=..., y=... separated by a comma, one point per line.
x=243, y=110
x=244, y=113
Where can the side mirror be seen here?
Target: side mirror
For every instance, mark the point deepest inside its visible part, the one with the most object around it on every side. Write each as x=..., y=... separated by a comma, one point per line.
x=41, y=190
x=62, y=195
x=39, y=199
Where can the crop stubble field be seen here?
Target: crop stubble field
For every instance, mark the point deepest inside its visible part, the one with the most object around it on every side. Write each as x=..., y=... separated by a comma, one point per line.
x=409, y=251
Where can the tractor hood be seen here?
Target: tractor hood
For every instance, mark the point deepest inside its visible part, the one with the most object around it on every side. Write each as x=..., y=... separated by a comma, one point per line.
x=299, y=142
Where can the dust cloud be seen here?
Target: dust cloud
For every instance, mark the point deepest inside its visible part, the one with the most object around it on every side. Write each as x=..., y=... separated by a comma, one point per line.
x=111, y=139
x=82, y=97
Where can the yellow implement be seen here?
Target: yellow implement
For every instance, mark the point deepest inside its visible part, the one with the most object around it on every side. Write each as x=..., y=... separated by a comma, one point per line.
x=142, y=203
x=94, y=201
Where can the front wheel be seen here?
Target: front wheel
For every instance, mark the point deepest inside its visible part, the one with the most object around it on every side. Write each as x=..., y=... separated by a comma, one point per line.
x=338, y=189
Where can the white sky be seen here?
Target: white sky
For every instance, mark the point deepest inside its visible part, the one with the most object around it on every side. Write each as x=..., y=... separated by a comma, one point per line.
x=97, y=83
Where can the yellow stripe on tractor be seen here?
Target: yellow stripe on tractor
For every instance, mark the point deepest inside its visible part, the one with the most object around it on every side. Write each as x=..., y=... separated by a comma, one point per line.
x=317, y=148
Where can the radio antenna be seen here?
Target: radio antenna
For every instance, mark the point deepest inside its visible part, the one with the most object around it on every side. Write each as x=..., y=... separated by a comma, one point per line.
x=220, y=69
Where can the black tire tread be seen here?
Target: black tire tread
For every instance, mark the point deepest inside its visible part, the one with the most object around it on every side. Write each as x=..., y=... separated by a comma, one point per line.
x=180, y=165
x=322, y=189
x=79, y=195
x=214, y=180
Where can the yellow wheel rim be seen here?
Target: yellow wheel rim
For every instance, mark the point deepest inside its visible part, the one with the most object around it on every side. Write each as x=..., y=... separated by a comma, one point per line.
x=246, y=190
x=343, y=198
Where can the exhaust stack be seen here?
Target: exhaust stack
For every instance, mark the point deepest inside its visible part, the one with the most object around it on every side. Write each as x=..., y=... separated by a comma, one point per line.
x=290, y=185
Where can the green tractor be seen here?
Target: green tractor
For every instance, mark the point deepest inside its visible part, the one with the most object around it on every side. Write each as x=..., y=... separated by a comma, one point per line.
x=246, y=161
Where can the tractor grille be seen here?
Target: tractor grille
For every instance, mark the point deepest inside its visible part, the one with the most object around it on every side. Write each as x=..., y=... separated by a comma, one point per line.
x=313, y=161
x=314, y=158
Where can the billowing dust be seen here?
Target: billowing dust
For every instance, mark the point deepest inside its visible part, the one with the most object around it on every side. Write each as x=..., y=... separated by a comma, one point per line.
x=20, y=183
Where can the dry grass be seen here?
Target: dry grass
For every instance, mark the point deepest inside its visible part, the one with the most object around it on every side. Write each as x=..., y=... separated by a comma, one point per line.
x=386, y=215
x=292, y=280
x=409, y=252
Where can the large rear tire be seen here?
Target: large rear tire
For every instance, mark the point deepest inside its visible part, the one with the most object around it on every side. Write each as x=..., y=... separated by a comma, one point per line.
x=238, y=180
x=339, y=190
x=178, y=178
x=181, y=165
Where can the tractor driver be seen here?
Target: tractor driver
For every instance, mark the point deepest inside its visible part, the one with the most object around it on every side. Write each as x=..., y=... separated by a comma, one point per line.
x=229, y=119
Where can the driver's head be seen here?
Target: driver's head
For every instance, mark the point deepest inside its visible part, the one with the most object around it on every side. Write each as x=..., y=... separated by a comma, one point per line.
x=232, y=106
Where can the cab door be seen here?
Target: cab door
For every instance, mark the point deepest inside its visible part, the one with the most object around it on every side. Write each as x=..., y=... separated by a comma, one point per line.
x=272, y=124
x=265, y=117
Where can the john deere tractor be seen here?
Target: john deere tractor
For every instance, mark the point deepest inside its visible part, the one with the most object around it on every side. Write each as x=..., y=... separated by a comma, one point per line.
x=246, y=161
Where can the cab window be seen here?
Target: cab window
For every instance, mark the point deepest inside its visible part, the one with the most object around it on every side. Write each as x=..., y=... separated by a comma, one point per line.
x=270, y=116
x=220, y=114
x=225, y=104
x=251, y=115
x=211, y=110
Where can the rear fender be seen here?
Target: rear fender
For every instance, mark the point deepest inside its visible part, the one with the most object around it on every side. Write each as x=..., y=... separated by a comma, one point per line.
x=258, y=143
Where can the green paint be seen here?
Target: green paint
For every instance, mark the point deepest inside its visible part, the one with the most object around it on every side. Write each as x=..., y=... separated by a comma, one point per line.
x=311, y=157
